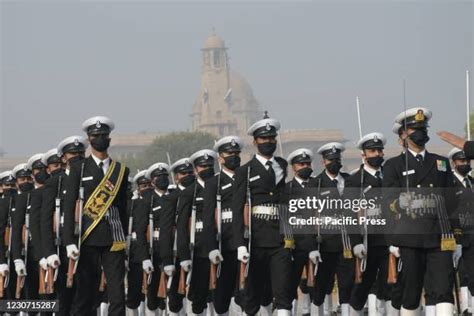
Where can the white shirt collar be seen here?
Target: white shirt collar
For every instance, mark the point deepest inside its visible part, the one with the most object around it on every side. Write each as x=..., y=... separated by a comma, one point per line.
x=371, y=170
x=300, y=181
x=460, y=177
x=160, y=194
x=229, y=174
x=338, y=177
x=106, y=161
x=181, y=187
x=66, y=171
x=264, y=160
x=422, y=153
x=201, y=182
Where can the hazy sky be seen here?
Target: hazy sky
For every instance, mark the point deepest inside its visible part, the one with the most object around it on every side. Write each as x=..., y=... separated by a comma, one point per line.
x=140, y=62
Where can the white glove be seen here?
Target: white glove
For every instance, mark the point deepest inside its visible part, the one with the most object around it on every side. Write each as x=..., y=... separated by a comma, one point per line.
x=215, y=256
x=242, y=254
x=186, y=265
x=394, y=251
x=43, y=263
x=457, y=255
x=147, y=266
x=72, y=252
x=360, y=251
x=20, y=267
x=4, y=269
x=315, y=256
x=169, y=270
x=404, y=200
x=53, y=261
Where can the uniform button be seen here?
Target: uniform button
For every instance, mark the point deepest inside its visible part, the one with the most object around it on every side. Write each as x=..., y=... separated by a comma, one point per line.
x=431, y=185
x=271, y=193
x=418, y=186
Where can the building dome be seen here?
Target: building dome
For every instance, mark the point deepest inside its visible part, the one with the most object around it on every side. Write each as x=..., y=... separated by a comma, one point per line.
x=214, y=41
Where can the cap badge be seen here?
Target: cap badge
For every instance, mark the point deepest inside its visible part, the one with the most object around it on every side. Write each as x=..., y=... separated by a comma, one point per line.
x=206, y=156
x=76, y=142
x=97, y=124
x=233, y=143
x=420, y=116
x=376, y=139
x=303, y=154
x=333, y=149
x=268, y=127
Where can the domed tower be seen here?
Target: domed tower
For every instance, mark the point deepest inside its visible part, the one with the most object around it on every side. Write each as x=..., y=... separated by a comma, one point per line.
x=225, y=104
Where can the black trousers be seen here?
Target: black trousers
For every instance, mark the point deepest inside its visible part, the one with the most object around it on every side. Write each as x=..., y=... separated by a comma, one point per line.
x=300, y=258
x=468, y=261
x=431, y=269
x=199, y=287
x=64, y=295
x=375, y=273
x=333, y=264
x=153, y=301
x=226, y=282
x=266, y=264
x=175, y=300
x=134, y=279
x=87, y=280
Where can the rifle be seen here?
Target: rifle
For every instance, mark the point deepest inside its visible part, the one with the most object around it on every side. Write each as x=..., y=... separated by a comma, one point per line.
x=8, y=238
x=392, y=270
x=56, y=230
x=25, y=234
x=192, y=234
x=78, y=229
x=103, y=281
x=149, y=236
x=216, y=269
x=128, y=242
x=244, y=267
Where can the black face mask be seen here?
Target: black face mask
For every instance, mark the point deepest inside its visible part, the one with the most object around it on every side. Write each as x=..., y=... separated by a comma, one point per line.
x=305, y=173
x=463, y=169
x=419, y=137
x=206, y=173
x=57, y=171
x=334, y=166
x=41, y=176
x=232, y=162
x=75, y=158
x=161, y=182
x=26, y=187
x=375, y=162
x=188, y=180
x=267, y=149
x=100, y=143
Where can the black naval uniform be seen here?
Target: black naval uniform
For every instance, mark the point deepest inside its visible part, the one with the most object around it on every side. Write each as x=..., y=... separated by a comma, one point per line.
x=55, y=187
x=304, y=243
x=166, y=243
x=269, y=259
x=377, y=253
x=227, y=280
x=154, y=205
x=7, y=205
x=28, y=202
x=418, y=234
x=97, y=246
x=138, y=248
x=465, y=213
x=332, y=248
x=199, y=286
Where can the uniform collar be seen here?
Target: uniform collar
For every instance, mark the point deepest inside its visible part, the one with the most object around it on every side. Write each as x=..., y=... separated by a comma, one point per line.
x=264, y=160
x=339, y=178
x=371, y=170
x=229, y=174
x=106, y=161
x=300, y=181
x=460, y=177
x=160, y=194
x=201, y=182
x=422, y=153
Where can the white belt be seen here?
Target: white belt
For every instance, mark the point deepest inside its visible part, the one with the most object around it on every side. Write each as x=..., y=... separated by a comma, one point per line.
x=373, y=212
x=423, y=203
x=266, y=212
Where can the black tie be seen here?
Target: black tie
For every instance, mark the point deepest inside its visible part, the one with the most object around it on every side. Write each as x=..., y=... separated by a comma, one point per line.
x=467, y=182
x=377, y=177
x=271, y=171
x=101, y=167
x=419, y=158
x=335, y=182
